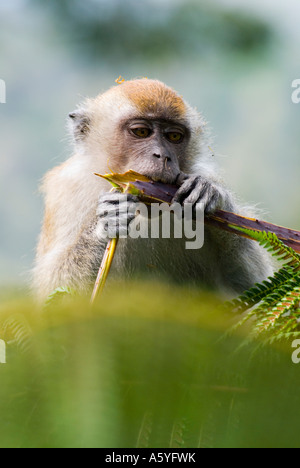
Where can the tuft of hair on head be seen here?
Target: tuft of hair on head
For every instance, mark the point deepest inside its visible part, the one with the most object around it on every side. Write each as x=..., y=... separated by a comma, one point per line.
x=155, y=98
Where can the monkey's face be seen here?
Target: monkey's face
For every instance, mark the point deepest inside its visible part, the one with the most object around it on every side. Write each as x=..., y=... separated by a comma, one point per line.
x=154, y=147
x=141, y=125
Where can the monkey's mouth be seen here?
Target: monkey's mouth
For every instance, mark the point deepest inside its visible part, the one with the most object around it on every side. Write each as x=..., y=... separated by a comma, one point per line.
x=166, y=180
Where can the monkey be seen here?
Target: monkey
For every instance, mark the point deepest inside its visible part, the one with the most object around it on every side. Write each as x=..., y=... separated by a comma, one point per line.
x=146, y=126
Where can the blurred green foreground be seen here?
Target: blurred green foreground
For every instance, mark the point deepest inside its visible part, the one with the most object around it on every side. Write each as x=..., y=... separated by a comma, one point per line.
x=145, y=368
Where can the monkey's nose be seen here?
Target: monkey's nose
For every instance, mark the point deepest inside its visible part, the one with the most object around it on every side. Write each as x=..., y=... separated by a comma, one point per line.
x=166, y=158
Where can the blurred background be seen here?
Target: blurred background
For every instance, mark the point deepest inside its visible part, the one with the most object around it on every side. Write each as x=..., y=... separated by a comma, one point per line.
x=235, y=61
x=144, y=369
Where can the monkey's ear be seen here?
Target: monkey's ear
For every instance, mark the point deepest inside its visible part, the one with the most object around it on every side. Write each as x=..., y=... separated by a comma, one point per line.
x=80, y=124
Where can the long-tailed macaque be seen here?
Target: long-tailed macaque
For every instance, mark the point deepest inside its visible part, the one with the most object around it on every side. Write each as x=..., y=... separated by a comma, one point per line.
x=145, y=126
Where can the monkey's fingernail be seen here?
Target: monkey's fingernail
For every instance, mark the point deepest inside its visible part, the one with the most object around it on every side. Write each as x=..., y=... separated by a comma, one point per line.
x=181, y=178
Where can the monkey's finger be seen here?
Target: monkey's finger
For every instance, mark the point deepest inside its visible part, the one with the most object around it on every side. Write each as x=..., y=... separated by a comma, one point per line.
x=185, y=189
x=114, y=211
x=117, y=197
x=111, y=205
x=214, y=203
x=108, y=211
x=119, y=226
x=183, y=192
x=212, y=200
x=198, y=193
x=219, y=200
x=181, y=178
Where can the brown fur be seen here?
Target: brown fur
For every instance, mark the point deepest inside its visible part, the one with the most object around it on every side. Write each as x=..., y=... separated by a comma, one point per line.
x=70, y=248
x=151, y=96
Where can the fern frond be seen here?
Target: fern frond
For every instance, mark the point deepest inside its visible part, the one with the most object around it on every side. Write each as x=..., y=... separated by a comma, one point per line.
x=274, y=304
x=275, y=246
x=284, y=279
x=17, y=331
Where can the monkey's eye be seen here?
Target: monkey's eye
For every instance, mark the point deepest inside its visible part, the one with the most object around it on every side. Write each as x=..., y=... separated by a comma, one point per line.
x=174, y=137
x=141, y=132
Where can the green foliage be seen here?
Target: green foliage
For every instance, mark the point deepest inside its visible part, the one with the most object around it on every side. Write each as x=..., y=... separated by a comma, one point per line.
x=149, y=30
x=140, y=370
x=274, y=305
x=58, y=294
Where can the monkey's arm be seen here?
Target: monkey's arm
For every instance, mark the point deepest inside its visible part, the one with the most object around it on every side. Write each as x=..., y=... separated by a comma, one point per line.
x=69, y=251
x=67, y=261
x=241, y=262
x=72, y=265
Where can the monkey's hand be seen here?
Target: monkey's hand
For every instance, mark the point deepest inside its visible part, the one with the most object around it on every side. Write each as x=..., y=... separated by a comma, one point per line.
x=115, y=212
x=197, y=189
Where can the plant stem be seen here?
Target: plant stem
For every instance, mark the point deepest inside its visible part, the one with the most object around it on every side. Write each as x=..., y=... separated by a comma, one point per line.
x=104, y=268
